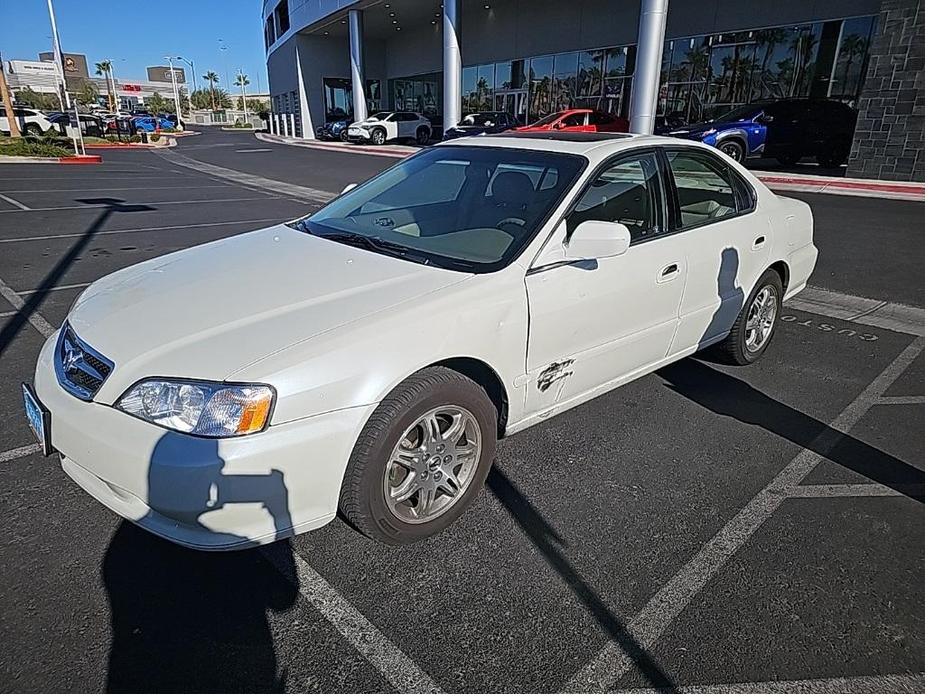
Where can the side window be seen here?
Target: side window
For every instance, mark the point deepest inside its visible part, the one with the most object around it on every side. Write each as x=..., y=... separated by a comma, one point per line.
x=745, y=194
x=704, y=187
x=598, y=118
x=574, y=120
x=627, y=192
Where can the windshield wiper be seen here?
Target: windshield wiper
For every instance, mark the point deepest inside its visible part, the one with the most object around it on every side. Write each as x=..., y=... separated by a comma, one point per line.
x=377, y=244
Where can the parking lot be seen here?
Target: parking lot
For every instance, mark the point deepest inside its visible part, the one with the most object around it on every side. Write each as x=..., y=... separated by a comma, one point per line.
x=704, y=529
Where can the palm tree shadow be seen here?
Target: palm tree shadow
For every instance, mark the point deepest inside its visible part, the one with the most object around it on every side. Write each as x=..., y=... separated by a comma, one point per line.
x=545, y=539
x=731, y=397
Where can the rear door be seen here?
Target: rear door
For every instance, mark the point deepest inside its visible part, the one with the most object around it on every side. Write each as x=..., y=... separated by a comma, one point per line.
x=785, y=133
x=725, y=244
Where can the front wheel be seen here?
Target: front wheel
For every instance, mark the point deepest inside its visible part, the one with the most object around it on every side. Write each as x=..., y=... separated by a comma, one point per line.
x=757, y=321
x=378, y=136
x=421, y=459
x=32, y=130
x=343, y=136
x=734, y=149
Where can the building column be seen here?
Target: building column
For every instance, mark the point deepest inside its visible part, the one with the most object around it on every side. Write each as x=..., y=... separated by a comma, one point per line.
x=357, y=73
x=651, y=41
x=305, y=115
x=452, y=66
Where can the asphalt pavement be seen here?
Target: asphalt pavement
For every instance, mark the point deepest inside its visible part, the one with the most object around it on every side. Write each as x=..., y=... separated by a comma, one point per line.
x=705, y=526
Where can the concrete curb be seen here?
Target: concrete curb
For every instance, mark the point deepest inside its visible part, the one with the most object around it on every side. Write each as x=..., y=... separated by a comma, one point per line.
x=804, y=183
x=82, y=159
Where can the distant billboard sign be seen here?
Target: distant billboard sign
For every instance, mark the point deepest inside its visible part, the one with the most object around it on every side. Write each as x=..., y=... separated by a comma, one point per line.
x=161, y=73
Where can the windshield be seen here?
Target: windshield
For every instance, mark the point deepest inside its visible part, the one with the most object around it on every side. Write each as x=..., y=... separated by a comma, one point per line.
x=480, y=119
x=381, y=115
x=463, y=208
x=738, y=114
x=546, y=120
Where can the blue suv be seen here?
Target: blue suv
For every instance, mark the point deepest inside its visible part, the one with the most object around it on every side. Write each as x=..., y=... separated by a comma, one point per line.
x=787, y=130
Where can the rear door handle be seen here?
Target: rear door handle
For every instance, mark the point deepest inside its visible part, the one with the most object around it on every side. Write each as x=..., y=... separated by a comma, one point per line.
x=669, y=272
x=759, y=242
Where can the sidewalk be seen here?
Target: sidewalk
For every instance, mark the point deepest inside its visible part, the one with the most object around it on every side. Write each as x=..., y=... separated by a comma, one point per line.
x=782, y=182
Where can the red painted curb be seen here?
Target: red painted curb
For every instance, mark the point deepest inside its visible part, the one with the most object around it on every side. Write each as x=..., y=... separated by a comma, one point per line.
x=83, y=159
x=847, y=185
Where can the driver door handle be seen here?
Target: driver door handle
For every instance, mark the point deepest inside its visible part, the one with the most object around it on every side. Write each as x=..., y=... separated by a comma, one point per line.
x=669, y=272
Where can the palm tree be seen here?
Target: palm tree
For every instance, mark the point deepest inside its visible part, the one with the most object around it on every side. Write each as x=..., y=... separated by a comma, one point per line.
x=104, y=69
x=212, y=79
x=242, y=81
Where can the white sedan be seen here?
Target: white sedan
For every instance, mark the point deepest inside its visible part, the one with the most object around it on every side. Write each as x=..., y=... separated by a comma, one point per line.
x=366, y=359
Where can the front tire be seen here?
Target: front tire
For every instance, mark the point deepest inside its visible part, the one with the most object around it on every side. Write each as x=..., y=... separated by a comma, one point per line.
x=756, y=324
x=378, y=136
x=733, y=149
x=32, y=130
x=421, y=459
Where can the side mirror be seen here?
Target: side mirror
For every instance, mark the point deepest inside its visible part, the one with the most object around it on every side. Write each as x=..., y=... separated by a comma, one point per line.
x=765, y=118
x=348, y=188
x=594, y=239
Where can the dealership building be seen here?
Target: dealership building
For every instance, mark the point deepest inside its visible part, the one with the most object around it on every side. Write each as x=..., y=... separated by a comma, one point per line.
x=533, y=57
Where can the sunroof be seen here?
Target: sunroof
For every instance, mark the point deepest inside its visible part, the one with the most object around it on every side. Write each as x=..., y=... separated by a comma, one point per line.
x=565, y=136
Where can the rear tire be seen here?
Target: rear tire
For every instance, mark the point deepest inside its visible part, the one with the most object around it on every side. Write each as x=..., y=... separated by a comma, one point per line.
x=756, y=323
x=343, y=136
x=734, y=149
x=422, y=136
x=396, y=455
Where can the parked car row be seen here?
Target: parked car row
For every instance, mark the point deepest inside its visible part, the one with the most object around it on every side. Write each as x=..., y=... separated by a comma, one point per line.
x=787, y=130
x=36, y=123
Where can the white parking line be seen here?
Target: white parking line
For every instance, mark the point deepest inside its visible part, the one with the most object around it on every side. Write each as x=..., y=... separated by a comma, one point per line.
x=56, y=288
x=13, y=202
x=663, y=608
x=857, y=309
x=85, y=190
x=138, y=230
x=391, y=662
x=902, y=400
x=877, y=684
x=21, y=452
x=35, y=318
x=824, y=491
x=91, y=206
x=7, y=314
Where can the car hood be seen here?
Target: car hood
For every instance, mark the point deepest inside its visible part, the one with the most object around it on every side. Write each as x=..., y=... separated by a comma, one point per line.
x=208, y=311
x=698, y=128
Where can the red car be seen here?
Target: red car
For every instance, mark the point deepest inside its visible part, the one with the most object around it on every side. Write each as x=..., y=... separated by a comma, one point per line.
x=579, y=120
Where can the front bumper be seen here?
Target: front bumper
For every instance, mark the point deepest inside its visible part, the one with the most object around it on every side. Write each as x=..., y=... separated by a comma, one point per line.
x=359, y=135
x=213, y=494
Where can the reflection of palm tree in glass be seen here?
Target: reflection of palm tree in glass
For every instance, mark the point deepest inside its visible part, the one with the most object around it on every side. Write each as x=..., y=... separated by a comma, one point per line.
x=769, y=39
x=803, y=46
x=853, y=47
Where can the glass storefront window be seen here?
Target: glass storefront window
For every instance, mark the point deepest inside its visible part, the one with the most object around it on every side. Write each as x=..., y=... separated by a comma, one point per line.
x=541, y=96
x=338, y=99
x=470, y=77
x=590, y=76
x=565, y=78
x=484, y=88
x=851, y=58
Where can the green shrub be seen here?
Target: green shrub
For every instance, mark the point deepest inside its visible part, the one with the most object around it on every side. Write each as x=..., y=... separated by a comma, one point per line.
x=18, y=147
x=135, y=138
x=154, y=138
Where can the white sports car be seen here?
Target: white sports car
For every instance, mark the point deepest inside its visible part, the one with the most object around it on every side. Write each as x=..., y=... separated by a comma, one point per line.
x=368, y=357
x=384, y=126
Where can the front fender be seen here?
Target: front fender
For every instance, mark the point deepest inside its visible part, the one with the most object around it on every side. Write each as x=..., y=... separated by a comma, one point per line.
x=358, y=364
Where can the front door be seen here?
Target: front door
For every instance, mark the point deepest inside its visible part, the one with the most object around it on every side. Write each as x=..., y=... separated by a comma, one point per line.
x=592, y=323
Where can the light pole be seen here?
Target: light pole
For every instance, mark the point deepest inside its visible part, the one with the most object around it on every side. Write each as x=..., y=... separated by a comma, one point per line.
x=173, y=81
x=189, y=92
x=223, y=47
x=59, y=61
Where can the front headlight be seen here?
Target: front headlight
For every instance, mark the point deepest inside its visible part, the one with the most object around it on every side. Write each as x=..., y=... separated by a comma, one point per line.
x=215, y=410
x=707, y=133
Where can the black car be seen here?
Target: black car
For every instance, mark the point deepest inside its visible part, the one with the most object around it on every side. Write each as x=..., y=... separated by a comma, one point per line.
x=334, y=129
x=786, y=130
x=483, y=123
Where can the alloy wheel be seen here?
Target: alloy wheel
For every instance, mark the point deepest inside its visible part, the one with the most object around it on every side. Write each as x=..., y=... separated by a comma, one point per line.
x=433, y=464
x=760, y=321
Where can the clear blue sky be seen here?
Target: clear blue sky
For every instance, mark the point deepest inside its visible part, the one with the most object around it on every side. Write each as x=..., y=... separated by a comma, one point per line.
x=121, y=32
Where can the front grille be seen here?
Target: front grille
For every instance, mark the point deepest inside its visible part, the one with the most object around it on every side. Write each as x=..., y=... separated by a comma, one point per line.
x=80, y=369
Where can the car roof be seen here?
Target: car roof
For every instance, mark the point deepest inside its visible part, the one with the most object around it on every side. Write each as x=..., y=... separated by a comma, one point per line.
x=587, y=144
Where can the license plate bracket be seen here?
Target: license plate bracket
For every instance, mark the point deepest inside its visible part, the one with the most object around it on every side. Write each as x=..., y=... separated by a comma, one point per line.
x=38, y=417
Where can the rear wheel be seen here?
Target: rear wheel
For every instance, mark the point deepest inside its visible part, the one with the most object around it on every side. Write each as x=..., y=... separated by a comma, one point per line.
x=734, y=149
x=788, y=158
x=378, y=136
x=755, y=326
x=421, y=459
x=343, y=136
x=422, y=136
